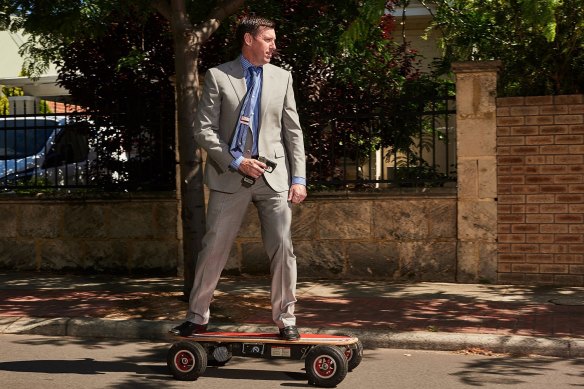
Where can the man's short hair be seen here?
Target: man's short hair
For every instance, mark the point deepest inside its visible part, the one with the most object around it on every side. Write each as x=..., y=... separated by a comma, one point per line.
x=252, y=25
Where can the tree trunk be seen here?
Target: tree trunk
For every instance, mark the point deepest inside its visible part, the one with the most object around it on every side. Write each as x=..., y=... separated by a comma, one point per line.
x=190, y=188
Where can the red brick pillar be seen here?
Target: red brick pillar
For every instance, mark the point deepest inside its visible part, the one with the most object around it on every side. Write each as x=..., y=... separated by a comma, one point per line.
x=541, y=189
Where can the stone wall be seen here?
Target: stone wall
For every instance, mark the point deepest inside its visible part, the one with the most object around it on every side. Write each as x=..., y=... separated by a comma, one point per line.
x=476, y=150
x=541, y=189
x=520, y=164
x=401, y=236
x=409, y=236
x=131, y=234
x=516, y=216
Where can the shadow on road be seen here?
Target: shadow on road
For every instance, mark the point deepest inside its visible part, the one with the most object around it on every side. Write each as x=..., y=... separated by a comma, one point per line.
x=510, y=370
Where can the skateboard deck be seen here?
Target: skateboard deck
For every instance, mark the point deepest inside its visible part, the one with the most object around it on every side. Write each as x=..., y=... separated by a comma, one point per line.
x=257, y=337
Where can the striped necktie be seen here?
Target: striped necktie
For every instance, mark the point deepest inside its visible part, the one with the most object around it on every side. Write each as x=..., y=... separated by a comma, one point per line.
x=245, y=122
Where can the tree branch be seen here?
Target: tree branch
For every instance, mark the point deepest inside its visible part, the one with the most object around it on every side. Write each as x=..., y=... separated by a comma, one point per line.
x=223, y=10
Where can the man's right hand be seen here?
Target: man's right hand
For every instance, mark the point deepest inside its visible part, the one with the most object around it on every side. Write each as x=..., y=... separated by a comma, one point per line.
x=252, y=168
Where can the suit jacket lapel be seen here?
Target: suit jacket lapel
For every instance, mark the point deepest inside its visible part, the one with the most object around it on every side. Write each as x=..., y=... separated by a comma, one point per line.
x=267, y=82
x=237, y=79
x=238, y=82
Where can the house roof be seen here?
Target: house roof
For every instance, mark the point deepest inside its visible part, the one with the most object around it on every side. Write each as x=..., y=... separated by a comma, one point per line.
x=11, y=65
x=44, y=87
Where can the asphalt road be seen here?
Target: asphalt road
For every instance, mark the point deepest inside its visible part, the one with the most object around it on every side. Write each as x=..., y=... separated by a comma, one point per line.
x=29, y=361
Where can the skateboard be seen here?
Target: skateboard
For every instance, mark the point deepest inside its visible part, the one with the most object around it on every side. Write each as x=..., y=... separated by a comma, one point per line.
x=327, y=358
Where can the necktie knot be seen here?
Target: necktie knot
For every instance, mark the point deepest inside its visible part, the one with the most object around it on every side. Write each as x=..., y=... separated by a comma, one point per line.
x=254, y=72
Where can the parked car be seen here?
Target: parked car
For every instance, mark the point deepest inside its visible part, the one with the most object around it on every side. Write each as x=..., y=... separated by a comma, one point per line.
x=43, y=148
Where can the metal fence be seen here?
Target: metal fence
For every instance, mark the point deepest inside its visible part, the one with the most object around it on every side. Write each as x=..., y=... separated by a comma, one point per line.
x=376, y=152
x=80, y=149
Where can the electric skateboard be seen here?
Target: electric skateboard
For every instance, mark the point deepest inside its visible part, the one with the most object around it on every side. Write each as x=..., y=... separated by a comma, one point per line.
x=327, y=358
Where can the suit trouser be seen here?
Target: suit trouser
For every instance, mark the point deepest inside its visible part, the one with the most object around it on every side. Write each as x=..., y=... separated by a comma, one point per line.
x=225, y=213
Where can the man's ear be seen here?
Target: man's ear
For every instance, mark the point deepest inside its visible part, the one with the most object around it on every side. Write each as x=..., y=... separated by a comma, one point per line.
x=247, y=38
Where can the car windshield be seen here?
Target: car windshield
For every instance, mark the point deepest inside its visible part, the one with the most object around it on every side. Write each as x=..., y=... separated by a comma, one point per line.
x=23, y=138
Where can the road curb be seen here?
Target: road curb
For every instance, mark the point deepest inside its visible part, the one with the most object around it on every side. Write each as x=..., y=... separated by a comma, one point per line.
x=437, y=341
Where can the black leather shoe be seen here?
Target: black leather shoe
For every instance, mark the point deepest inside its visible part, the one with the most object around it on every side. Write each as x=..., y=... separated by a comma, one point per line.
x=289, y=333
x=188, y=328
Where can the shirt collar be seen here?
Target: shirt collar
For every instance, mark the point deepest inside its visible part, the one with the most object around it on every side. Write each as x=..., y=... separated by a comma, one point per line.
x=246, y=65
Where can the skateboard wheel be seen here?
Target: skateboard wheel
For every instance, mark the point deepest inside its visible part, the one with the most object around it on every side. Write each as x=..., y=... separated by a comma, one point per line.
x=187, y=361
x=326, y=366
x=354, y=354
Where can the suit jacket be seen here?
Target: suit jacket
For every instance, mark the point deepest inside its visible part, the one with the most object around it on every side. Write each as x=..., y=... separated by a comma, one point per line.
x=280, y=136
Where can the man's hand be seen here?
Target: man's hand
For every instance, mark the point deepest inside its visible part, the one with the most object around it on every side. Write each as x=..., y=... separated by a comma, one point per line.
x=252, y=168
x=297, y=193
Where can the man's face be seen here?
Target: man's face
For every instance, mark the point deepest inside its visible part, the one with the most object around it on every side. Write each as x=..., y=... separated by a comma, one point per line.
x=259, y=49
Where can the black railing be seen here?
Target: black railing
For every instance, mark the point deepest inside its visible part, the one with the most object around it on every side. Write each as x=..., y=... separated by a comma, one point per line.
x=410, y=147
x=406, y=149
x=82, y=149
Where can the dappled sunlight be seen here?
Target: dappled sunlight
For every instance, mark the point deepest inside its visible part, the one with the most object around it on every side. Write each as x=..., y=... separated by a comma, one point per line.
x=366, y=305
x=505, y=370
x=438, y=315
x=78, y=281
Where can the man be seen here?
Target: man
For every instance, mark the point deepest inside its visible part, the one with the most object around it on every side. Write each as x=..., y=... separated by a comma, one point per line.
x=247, y=111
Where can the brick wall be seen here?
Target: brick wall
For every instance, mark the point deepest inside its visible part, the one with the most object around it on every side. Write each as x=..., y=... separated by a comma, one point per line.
x=540, y=157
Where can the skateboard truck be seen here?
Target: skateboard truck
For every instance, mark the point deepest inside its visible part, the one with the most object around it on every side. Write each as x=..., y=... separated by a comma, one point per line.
x=271, y=165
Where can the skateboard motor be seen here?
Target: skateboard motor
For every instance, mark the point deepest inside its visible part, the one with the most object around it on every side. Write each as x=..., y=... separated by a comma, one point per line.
x=221, y=354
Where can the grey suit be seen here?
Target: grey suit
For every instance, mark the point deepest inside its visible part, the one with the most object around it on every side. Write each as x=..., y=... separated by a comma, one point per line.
x=280, y=139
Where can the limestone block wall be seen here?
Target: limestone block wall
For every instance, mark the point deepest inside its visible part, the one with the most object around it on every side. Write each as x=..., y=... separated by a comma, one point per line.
x=124, y=234
x=476, y=150
x=408, y=236
x=363, y=236
x=541, y=189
